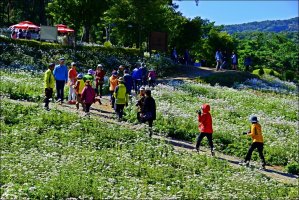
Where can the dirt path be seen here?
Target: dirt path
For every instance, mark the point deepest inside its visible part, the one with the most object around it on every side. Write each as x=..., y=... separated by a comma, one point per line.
x=106, y=114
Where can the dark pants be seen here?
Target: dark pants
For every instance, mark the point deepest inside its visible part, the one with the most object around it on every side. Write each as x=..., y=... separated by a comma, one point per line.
x=112, y=99
x=119, y=109
x=48, y=95
x=152, y=82
x=87, y=107
x=137, y=84
x=101, y=90
x=60, y=89
x=201, y=136
x=260, y=147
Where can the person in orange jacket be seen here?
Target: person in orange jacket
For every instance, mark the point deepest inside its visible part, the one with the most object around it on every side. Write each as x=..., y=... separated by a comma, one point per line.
x=205, y=127
x=258, y=141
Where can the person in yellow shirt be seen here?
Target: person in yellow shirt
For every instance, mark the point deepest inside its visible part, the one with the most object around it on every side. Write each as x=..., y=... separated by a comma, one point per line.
x=257, y=143
x=49, y=82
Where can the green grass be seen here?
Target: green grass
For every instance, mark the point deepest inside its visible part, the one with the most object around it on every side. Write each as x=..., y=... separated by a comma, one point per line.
x=55, y=155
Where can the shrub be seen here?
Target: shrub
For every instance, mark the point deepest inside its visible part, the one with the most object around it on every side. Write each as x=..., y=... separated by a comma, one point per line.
x=289, y=75
x=228, y=78
x=261, y=71
x=293, y=167
x=272, y=72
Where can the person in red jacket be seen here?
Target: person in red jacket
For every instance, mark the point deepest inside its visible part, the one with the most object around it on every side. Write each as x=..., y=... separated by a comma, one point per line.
x=205, y=127
x=88, y=96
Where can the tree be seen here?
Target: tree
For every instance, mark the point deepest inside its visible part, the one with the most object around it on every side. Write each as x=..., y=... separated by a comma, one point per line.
x=78, y=13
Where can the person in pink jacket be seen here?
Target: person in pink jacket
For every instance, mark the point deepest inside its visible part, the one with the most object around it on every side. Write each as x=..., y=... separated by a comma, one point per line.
x=88, y=96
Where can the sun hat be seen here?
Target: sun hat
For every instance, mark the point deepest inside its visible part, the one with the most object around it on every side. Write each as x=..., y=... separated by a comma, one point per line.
x=73, y=63
x=142, y=88
x=253, y=119
x=90, y=71
x=114, y=73
x=80, y=76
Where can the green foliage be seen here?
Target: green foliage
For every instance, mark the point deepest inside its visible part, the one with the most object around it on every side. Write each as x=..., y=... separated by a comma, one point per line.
x=107, y=44
x=39, y=54
x=261, y=72
x=228, y=78
x=62, y=155
x=293, y=167
x=289, y=75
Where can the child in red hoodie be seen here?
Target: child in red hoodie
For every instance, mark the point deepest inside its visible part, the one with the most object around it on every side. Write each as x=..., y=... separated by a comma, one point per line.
x=205, y=127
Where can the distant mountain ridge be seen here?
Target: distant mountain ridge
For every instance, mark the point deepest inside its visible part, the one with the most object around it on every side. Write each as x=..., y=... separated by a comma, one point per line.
x=288, y=25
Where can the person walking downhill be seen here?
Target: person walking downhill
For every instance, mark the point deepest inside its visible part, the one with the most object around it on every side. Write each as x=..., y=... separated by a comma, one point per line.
x=88, y=96
x=113, y=82
x=49, y=82
x=100, y=74
x=148, y=111
x=72, y=80
x=140, y=102
x=61, y=76
x=205, y=127
x=121, y=98
x=78, y=87
x=257, y=143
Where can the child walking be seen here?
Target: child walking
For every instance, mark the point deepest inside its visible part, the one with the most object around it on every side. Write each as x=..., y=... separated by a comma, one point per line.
x=205, y=127
x=257, y=143
x=88, y=96
x=79, y=85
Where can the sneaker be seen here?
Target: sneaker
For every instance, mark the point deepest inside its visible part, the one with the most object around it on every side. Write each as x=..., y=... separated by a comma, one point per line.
x=263, y=166
x=244, y=163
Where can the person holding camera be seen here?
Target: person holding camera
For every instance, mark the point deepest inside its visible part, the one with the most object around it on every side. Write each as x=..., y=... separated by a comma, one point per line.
x=205, y=127
x=257, y=143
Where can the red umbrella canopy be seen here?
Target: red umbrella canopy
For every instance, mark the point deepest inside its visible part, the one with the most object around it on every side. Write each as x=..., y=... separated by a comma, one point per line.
x=63, y=28
x=25, y=25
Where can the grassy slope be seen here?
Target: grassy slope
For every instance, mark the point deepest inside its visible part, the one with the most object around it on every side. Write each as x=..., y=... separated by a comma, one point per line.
x=58, y=155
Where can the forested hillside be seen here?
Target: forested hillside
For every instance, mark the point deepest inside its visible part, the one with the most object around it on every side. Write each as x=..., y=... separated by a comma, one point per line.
x=289, y=25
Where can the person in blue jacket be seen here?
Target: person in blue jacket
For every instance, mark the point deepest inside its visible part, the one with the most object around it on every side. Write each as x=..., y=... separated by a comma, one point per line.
x=128, y=80
x=61, y=76
x=137, y=76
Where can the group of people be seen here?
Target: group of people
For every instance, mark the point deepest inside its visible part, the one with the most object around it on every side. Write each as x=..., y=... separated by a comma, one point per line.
x=84, y=88
x=88, y=89
x=206, y=130
x=222, y=60
x=24, y=34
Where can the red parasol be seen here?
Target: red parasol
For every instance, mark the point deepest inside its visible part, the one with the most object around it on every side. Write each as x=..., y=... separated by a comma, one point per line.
x=63, y=28
x=25, y=25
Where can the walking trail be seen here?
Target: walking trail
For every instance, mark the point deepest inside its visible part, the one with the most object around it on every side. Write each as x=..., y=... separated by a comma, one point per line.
x=106, y=114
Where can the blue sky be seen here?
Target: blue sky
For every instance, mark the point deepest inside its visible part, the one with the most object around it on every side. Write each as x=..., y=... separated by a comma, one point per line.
x=238, y=11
